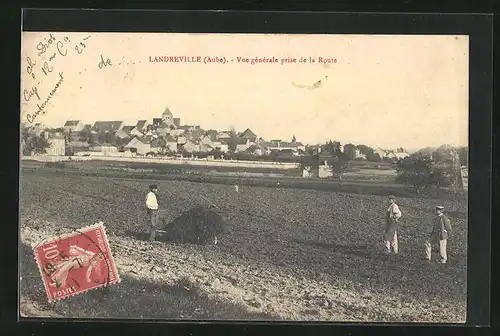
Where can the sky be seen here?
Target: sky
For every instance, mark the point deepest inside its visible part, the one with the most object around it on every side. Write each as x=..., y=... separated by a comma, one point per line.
x=383, y=91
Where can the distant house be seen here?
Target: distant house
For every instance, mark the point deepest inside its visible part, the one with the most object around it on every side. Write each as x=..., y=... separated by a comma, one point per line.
x=396, y=155
x=190, y=146
x=163, y=129
x=158, y=145
x=142, y=126
x=105, y=149
x=57, y=144
x=382, y=153
x=278, y=145
x=37, y=129
x=248, y=134
x=224, y=135
x=358, y=155
x=108, y=126
x=163, y=144
x=181, y=140
x=224, y=147
x=213, y=134
x=177, y=122
x=72, y=126
x=177, y=132
x=139, y=145
x=189, y=128
x=207, y=140
x=156, y=122
x=171, y=143
x=127, y=132
x=76, y=146
x=205, y=148
x=255, y=150
x=242, y=144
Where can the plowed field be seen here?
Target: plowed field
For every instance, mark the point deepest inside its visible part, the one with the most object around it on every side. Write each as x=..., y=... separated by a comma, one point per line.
x=293, y=253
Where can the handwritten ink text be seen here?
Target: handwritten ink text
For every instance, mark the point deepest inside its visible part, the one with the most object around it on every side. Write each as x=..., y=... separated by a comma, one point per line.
x=31, y=117
x=103, y=63
x=30, y=93
x=43, y=46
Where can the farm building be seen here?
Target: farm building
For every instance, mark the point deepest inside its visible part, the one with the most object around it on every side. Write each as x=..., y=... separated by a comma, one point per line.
x=72, y=126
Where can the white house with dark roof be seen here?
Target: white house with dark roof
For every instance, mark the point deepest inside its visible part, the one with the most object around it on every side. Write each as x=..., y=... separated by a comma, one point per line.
x=73, y=126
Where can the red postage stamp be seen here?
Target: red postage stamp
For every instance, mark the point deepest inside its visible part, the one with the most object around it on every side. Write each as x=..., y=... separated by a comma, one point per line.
x=76, y=262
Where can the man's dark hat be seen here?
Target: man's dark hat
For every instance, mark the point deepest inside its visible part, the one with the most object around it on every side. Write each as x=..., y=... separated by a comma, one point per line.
x=153, y=186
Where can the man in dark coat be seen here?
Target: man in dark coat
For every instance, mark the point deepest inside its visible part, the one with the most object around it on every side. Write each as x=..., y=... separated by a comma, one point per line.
x=441, y=231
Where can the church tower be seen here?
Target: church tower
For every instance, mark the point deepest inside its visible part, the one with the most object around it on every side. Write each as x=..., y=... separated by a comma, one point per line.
x=167, y=117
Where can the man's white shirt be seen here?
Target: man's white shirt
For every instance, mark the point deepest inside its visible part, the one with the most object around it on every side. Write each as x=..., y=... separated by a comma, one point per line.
x=151, y=201
x=394, y=211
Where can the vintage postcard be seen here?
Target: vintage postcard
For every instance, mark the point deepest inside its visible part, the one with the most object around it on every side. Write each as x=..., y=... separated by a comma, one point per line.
x=244, y=177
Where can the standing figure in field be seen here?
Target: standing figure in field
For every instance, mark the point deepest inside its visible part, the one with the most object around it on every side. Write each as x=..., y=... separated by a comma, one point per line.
x=153, y=211
x=441, y=230
x=391, y=226
x=78, y=258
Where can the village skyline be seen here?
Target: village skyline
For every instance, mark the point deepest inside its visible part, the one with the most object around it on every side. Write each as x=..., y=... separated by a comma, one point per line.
x=411, y=91
x=129, y=122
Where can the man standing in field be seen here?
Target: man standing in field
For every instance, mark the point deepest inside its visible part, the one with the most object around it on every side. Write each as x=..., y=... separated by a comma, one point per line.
x=391, y=226
x=441, y=230
x=152, y=209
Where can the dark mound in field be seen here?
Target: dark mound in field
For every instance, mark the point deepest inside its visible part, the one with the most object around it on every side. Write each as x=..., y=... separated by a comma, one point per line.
x=196, y=226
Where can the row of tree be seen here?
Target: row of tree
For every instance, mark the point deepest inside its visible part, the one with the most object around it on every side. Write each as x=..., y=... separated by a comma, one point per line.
x=422, y=173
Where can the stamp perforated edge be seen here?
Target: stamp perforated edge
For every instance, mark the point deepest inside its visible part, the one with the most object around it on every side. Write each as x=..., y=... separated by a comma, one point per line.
x=98, y=225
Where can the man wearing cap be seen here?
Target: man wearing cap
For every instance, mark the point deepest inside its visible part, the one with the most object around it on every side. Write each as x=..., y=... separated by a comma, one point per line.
x=441, y=230
x=152, y=209
x=391, y=225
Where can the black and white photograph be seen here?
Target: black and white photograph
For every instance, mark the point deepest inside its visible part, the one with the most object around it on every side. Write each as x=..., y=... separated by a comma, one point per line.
x=249, y=177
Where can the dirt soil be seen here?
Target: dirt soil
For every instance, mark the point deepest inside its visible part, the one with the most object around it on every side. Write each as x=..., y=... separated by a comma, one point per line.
x=292, y=254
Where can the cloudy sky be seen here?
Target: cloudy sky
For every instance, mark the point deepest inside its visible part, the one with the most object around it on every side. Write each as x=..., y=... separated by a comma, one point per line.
x=386, y=91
